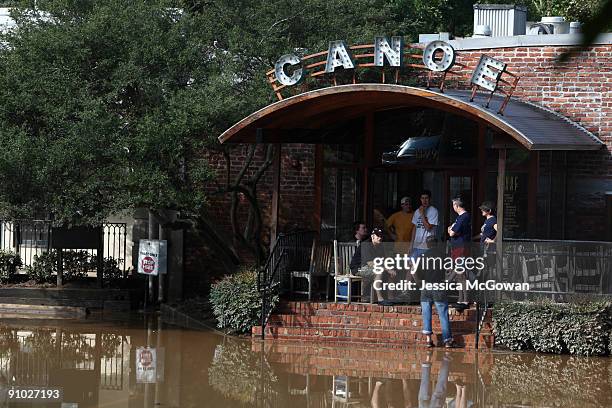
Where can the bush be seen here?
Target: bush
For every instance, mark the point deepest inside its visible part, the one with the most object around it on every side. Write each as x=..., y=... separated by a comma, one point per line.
x=43, y=267
x=110, y=270
x=575, y=328
x=77, y=264
x=9, y=262
x=236, y=302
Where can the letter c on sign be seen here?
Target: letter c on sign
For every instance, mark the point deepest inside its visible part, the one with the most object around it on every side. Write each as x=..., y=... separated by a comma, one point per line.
x=442, y=64
x=279, y=70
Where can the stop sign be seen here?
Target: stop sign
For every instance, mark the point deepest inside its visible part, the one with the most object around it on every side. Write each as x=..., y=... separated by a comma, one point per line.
x=148, y=264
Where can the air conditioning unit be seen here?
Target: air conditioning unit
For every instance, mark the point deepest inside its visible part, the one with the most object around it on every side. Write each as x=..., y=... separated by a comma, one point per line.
x=503, y=19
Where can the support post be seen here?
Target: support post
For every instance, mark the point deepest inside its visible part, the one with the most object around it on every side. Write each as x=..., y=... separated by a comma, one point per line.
x=163, y=234
x=368, y=145
x=532, y=196
x=60, y=267
x=276, y=168
x=153, y=234
x=501, y=181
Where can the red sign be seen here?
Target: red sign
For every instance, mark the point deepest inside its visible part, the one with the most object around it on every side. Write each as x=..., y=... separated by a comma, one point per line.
x=148, y=264
x=146, y=358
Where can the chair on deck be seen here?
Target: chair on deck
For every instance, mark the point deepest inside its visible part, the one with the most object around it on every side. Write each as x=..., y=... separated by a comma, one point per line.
x=320, y=264
x=587, y=270
x=343, y=253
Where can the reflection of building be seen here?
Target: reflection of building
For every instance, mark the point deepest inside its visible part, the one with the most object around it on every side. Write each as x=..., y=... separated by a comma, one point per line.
x=90, y=368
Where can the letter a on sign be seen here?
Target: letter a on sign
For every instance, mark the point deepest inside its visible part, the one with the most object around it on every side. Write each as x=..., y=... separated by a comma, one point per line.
x=338, y=56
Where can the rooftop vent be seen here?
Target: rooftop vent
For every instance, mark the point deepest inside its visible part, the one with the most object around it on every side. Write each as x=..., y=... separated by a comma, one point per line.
x=503, y=19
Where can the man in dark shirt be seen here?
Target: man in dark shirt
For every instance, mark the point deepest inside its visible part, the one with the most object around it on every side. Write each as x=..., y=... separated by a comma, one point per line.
x=460, y=236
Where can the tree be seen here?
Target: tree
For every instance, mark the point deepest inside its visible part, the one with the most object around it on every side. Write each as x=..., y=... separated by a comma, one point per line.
x=109, y=106
x=102, y=110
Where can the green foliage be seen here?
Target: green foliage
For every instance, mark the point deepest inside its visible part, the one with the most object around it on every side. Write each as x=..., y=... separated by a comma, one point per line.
x=9, y=262
x=236, y=302
x=540, y=380
x=575, y=328
x=43, y=268
x=237, y=373
x=76, y=265
x=111, y=271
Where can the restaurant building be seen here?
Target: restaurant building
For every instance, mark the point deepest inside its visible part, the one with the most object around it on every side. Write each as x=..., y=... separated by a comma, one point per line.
x=350, y=145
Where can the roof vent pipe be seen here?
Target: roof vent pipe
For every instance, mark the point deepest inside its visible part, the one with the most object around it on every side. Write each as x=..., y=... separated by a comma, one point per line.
x=575, y=27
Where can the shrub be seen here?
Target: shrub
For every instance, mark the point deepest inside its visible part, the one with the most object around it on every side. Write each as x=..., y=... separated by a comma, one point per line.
x=110, y=270
x=236, y=302
x=77, y=264
x=576, y=328
x=9, y=262
x=43, y=267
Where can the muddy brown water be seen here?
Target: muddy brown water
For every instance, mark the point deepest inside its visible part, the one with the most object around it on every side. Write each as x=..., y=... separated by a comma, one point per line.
x=139, y=362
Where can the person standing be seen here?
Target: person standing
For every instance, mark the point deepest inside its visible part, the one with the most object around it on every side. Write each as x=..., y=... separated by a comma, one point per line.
x=438, y=297
x=360, y=233
x=488, y=233
x=400, y=226
x=425, y=221
x=460, y=236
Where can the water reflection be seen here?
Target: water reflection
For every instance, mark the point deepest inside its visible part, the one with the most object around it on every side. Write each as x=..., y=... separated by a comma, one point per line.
x=140, y=363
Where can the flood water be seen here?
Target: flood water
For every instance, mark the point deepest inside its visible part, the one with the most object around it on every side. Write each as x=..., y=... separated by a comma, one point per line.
x=138, y=363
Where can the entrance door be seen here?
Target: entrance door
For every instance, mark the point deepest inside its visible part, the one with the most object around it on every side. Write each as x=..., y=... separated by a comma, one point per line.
x=460, y=184
x=387, y=186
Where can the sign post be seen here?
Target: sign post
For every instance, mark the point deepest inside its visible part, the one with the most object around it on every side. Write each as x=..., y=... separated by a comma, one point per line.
x=152, y=258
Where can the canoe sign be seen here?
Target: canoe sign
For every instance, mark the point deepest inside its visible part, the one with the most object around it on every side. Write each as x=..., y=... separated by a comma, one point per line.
x=437, y=59
x=438, y=56
x=152, y=257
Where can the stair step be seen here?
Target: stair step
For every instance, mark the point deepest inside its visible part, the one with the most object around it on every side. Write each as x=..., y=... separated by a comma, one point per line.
x=388, y=337
x=348, y=321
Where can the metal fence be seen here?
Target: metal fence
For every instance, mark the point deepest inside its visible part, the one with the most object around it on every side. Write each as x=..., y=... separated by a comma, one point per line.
x=30, y=238
x=558, y=267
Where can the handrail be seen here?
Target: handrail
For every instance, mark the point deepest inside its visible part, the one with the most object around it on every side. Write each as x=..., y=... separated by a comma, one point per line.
x=270, y=275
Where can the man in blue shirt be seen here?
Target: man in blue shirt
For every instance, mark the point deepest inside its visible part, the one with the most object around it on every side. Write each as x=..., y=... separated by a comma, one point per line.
x=460, y=236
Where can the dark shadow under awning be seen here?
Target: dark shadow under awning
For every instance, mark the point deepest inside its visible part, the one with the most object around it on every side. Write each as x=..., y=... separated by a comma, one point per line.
x=297, y=119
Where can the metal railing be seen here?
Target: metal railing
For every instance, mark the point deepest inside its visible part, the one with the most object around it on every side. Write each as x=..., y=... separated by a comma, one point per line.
x=557, y=268
x=291, y=251
x=31, y=238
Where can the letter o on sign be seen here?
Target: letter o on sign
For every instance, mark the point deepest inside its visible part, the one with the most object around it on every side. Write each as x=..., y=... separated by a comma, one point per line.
x=279, y=70
x=439, y=64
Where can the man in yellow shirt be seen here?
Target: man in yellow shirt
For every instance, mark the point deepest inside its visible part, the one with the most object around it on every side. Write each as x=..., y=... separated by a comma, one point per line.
x=400, y=226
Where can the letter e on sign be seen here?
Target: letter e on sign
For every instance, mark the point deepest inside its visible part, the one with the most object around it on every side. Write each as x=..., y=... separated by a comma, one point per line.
x=487, y=73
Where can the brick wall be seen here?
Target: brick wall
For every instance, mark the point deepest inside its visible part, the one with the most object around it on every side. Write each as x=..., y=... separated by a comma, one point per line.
x=581, y=90
x=202, y=264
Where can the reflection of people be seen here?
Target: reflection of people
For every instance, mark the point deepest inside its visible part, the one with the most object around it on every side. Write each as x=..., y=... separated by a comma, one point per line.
x=437, y=297
x=400, y=226
x=437, y=398
x=425, y=221
x=370, y=251
x=460, y=236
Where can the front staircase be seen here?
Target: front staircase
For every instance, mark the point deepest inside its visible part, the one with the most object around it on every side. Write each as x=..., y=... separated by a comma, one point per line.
x=357, y=323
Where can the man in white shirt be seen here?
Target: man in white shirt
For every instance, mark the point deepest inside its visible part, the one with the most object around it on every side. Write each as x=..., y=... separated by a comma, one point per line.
x=425, y=221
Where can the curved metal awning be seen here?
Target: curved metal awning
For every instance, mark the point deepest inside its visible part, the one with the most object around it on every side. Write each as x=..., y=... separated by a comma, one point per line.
x=290, y=120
